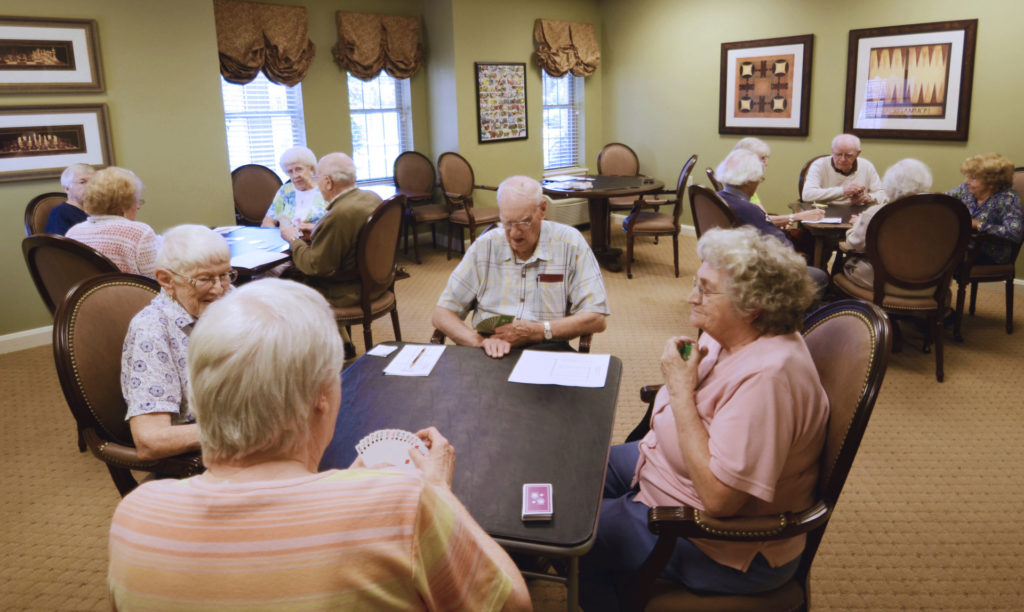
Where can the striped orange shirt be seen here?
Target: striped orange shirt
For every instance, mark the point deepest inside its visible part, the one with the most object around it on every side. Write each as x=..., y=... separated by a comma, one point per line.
x=342, y=539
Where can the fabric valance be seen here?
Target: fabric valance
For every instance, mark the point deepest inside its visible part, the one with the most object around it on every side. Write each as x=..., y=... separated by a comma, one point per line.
x=268, y=37
x=565, y=46
x=369, y=43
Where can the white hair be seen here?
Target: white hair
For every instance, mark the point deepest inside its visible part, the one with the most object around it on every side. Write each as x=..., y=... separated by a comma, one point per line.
x=297, y=155
x=755, y=145
x=186, y=248
x=847, y=137
x=75, y=170
x=907, y=177
x=339, y=167
x=257, y=361
x=520, y=188
x=740, y=167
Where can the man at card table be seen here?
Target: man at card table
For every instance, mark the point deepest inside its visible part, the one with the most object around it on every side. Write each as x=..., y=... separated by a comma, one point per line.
x=541, y=273
x=844, y=177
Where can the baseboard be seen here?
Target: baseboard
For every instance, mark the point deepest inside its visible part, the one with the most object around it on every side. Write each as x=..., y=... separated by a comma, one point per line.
x=30, y=338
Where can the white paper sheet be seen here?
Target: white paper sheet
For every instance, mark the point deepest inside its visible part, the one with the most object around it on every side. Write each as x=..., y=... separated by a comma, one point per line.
x=382, y=350
x=415, y=360
x=254, y=258
x=828, y=220
x=560, y=368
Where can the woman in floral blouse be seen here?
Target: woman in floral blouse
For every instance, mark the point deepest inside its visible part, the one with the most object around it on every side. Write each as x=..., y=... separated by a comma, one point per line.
x=994, y=204
x=298, y=202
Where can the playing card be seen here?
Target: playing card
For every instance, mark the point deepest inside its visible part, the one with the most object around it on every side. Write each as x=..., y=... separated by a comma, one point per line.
x=389, y=447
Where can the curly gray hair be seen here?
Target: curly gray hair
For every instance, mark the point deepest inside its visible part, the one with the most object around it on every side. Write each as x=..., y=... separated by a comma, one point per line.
x=762, y=277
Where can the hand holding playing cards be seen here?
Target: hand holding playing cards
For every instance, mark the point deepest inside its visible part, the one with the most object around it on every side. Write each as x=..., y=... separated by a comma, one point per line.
x=438, y=466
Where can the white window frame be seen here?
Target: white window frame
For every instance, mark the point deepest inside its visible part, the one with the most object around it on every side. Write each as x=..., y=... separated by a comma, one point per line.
x=375, y=158
x=569, y=110
x=261, y=120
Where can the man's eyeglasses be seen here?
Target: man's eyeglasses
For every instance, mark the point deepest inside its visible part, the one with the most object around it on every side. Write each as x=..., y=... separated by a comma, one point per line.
x=703, y=291
x=522, y=225
x=204, y=283
x=846, y=155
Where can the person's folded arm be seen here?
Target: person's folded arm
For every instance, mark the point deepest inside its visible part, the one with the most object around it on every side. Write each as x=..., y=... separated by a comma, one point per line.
x=155, y=437
x=454, y=327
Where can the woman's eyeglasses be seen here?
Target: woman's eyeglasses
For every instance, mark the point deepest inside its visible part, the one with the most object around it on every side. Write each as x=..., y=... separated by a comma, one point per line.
x=206, y=282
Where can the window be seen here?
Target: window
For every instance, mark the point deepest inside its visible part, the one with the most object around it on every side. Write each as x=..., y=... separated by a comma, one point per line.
x=381, y=124
x=563, y=121
x=262, y=120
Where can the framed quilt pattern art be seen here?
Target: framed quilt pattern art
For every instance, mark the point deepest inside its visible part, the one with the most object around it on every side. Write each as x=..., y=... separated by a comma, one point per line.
x=765, y=86
x=501, y=101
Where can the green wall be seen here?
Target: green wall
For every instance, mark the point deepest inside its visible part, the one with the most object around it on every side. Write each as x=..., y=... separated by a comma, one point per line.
x=661, y=81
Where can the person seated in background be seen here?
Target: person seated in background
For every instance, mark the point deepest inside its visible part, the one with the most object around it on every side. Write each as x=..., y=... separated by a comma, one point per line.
x=112, y=200
x=844, y=178
x=737, y=429
x=762, y=150
x=541, y=273
x=905, y=177
x=741, y=172
x=74, y=180
x=193, y=268
x=299, y=200
x=994, y=204
x=261, y=528
x=328, y=261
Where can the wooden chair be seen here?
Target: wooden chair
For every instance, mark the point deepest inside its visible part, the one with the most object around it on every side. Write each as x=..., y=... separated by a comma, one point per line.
x=88, y=333
x=849, y=341
x=709, y=210
x=254, y=187
x=38, y=211
x=803, y=176
x=57, y=264
x=617, y=159
x=972, y=273
x=376, y=250
x=457, y=184
x=715, y=183
x=914, y=244
x=415, y=178
x=647, y=223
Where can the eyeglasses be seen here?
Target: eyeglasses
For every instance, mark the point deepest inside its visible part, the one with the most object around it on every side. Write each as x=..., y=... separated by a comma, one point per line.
x=205, y=283
x=522, y=225
x=701, y=291
x=846, y=155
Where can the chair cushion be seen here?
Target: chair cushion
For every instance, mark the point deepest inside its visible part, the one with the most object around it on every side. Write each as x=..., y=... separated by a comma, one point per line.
x=895, y=302
x=382, y=304
x=481, y=215
x=429, y=213
x=992, y=272
x=671, y=598
x=652, y=222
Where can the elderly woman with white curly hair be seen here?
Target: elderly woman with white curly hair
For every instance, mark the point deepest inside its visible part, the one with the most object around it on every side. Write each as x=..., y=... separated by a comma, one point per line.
x=262, y=528
x=193, y=267
x=905, y=177
x=298, y=202
x=736, y=430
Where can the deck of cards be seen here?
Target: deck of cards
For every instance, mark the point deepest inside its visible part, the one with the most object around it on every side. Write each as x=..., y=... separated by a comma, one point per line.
x=538, y=504
x=389, y=447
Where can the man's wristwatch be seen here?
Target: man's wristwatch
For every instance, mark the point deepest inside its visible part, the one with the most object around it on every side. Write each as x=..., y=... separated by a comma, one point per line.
x=547, y=330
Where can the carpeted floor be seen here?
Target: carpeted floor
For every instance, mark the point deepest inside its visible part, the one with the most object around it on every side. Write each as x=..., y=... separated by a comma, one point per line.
x=929, y=518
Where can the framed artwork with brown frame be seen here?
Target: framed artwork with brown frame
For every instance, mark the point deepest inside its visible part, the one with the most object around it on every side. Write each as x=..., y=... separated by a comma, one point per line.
x=39, y=55
x=911, y=81
x=40, y=141
x=500, y=101
x=765, y=86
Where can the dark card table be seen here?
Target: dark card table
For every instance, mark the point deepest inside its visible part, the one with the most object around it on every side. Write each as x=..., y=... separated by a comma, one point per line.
x=245, y=240
x=827, y=236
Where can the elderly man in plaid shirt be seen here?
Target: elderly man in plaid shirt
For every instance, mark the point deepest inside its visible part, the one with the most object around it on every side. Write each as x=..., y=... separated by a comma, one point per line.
x=541, y=273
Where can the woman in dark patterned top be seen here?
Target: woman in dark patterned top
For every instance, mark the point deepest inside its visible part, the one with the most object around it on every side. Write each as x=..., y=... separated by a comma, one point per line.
x=994, y=204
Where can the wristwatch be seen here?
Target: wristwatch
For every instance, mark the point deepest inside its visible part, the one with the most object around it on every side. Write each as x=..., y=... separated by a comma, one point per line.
x=547, y=330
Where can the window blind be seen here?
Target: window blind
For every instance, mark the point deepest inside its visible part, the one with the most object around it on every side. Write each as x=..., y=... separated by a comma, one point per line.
x=262, y=119
x=563, y=121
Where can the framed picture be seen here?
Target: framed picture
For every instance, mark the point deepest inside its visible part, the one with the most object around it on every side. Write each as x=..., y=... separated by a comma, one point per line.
x=500, y=101
x=40, y=141
x=766, y=86
x=911, y=81
x=49, y=55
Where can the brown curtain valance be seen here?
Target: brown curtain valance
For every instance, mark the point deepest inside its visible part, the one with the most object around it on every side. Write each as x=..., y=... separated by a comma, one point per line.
x=565, y=46
x=253, y=37
x=368, y=44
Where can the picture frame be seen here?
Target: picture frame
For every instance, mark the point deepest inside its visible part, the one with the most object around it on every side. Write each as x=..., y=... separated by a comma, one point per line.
x=38, y=142
x=501, y=101
x=40, y=55
x=911, y=81
x=765, y=86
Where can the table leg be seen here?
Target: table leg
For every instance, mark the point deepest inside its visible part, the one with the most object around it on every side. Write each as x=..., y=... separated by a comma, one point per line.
x=572, y=585
x=819, y=249
x=599, y=239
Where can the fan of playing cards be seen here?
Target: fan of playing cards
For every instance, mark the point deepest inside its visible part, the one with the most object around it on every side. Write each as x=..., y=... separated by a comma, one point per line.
x=389, y=447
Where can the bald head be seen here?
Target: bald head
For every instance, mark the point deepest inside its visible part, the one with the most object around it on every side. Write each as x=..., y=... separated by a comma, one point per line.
x=521, y=208
x=336, y=172
x=845, y=149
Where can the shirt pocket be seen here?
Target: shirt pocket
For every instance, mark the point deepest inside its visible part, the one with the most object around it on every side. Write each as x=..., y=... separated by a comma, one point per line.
x=551, y=299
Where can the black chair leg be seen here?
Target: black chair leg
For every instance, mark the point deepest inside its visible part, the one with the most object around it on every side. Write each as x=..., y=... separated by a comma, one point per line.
x=961, y=293
x=123, y=479
x=1009, y=306
x=368, y=334
x=394, y=324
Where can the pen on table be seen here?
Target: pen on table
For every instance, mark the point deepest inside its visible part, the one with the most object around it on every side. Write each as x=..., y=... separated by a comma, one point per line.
x=417, y=357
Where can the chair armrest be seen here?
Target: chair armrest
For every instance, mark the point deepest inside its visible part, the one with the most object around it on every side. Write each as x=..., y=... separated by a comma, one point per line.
x=687, y=522
x=485, y=187
x=119, y=455
x=585, y=343
x=437, y=337
x=647, y=393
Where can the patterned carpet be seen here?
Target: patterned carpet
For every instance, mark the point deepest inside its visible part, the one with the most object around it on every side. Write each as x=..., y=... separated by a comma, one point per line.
x=929, y=518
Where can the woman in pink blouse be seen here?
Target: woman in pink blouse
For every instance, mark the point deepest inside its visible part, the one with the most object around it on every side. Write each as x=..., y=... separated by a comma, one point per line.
x=112, y=201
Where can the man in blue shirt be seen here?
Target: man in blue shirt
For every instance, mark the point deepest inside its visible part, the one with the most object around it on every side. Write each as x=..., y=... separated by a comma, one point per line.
x=74, y=180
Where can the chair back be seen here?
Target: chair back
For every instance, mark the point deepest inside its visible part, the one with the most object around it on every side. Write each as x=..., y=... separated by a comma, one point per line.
x=803, y=177
x=684, y=176
x=38, y=211
x=1018, y=180
x=617, y=159
x=414, y=172
x=88, y=333
x=457, y=180
x=709, y=210
x=254, y=187
x=917, y=242
x=377, y=249
x=715, y=183
x=57, y=264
